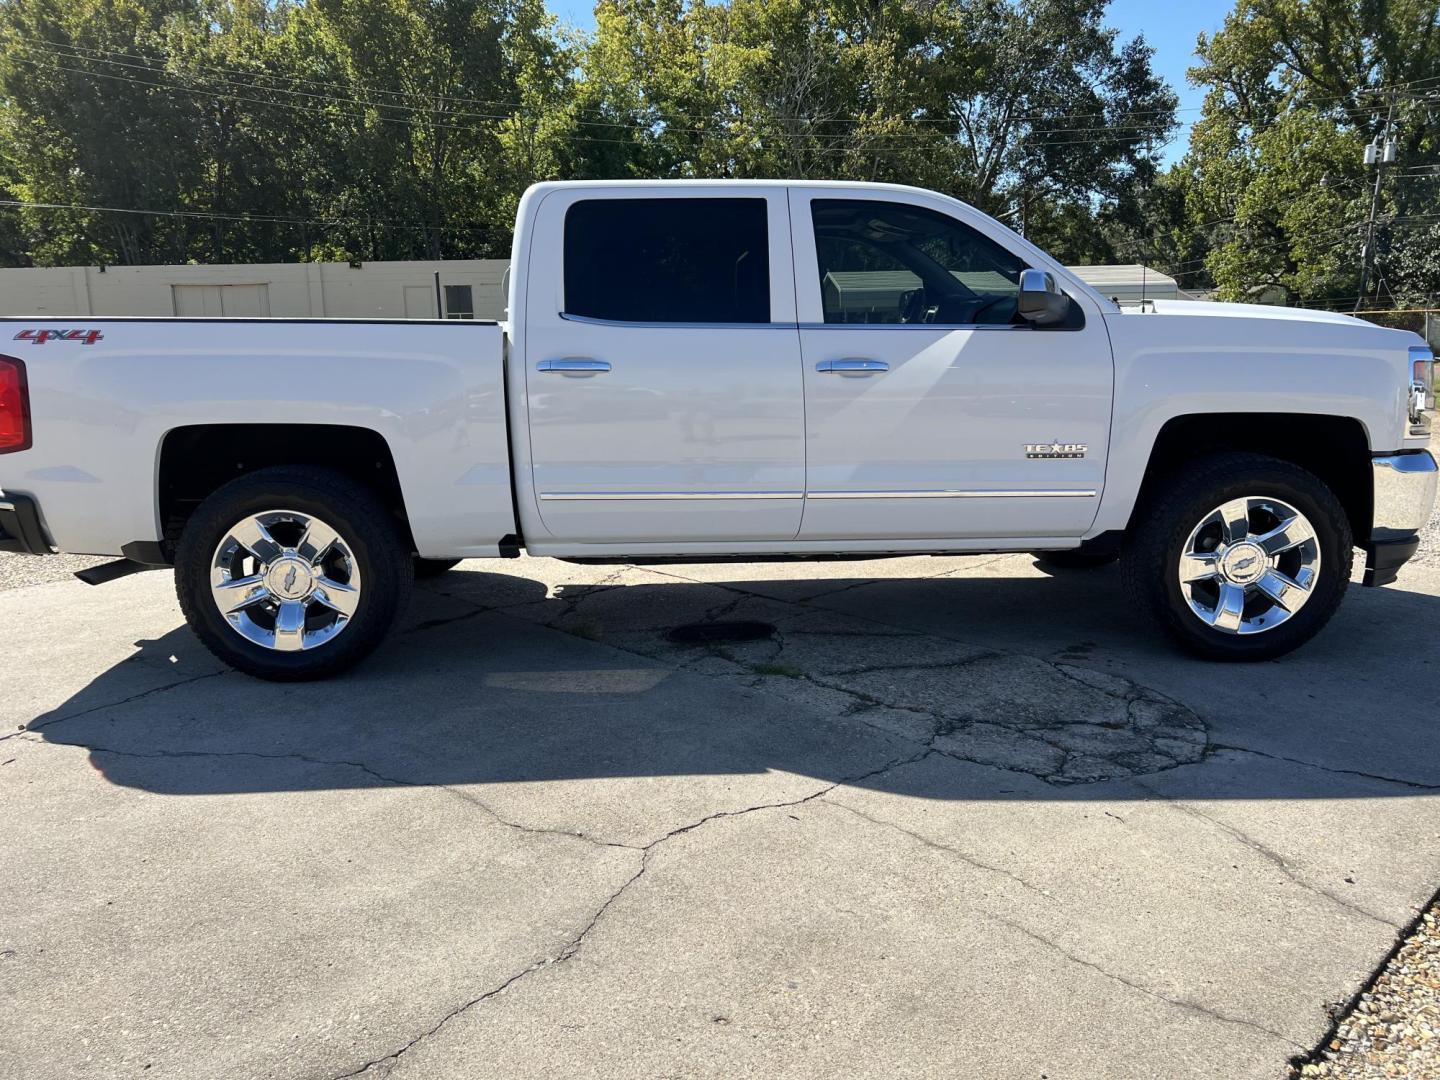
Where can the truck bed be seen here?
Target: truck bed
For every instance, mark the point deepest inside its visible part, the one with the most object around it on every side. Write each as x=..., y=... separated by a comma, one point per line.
x=108, y=395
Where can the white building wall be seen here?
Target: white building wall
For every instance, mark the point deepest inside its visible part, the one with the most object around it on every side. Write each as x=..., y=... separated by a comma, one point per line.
x=290, y=290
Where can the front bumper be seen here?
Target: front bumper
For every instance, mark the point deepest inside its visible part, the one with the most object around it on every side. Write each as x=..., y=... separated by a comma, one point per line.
x=20, y=526
x=1405, y=486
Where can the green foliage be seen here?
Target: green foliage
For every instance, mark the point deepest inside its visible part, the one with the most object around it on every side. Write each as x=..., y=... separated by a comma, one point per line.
x=336, y=128
x=966, y=99
x=304, y=129
x=1276, y=189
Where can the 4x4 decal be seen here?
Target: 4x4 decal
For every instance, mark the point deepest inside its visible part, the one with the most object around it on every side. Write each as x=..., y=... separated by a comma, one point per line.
x=40, y=337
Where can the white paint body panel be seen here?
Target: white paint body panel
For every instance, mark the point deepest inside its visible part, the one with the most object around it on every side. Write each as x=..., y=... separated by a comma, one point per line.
x=734, y=421
x=433, y=391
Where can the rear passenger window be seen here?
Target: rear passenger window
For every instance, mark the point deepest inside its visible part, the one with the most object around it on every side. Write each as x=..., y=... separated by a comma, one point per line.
x=668, y=260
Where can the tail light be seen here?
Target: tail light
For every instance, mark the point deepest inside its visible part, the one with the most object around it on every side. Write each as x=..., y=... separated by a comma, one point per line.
x=14, y=406
x=1422, y=389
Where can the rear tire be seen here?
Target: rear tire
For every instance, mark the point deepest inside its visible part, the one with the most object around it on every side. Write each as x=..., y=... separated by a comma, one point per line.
x=1250, y=593
x=1074, y=560
x=292, y=573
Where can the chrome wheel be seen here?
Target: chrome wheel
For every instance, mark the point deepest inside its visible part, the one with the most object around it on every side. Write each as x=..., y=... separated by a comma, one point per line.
x=1249, y=565
x=285, y=580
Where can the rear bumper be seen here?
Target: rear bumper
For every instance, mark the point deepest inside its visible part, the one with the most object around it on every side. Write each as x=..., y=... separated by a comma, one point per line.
x=1405, y=486
x=20, y=526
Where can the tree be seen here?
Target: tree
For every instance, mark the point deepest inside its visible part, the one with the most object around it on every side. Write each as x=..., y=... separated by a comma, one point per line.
x=1275, y=171
x=74, y=138
x=964, y=98
x=257, y=130
x=244, y=130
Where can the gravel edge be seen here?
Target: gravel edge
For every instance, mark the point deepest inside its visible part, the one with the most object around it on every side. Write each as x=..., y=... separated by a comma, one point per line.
x=20, y=571
x=1391, y=1028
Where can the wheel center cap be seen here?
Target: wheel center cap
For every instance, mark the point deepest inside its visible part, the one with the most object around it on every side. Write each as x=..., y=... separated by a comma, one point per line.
x=1244, y=563
x=290, y=578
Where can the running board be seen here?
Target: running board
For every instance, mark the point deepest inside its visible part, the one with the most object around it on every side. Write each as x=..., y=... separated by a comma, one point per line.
x=112, y=571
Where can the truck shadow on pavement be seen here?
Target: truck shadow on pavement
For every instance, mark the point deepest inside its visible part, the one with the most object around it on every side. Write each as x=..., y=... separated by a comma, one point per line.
x=1051, y=687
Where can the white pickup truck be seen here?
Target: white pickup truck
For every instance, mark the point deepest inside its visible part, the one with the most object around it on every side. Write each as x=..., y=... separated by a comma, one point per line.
x=715, y=370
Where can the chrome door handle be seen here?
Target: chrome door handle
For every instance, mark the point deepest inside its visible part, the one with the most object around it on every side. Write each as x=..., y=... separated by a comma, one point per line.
x=574, y=366
x=852, y=367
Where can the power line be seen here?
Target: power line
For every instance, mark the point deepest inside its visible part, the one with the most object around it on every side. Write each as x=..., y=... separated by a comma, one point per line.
x=258, y=219
x=1108, y=124
x=1103, y=117
x=1106, y=135
x=1110, y=132
x=1106, y=121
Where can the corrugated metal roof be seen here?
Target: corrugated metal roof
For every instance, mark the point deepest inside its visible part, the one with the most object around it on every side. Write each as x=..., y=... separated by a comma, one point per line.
x=1122, y=274
x=981, y=281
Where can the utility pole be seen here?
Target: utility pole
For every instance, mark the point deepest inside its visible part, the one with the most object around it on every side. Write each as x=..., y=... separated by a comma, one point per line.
x=1379, y=153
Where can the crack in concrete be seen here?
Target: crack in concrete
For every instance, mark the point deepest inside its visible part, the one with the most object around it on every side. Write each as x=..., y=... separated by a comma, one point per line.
x=1416, y=784
x=1034, y=935
x=1178, y=1002
x=1075, y=765
x=1071, y=763
x=385, y=1065
x=836, y=591
x=938, y=665
x=113, y=704
x=446, y=620
x=973, y=566
x=360, y=766
x=1166, y=745
x=1269, y=854
x=950, y=725
x=1340, y=1012
x=937, y=846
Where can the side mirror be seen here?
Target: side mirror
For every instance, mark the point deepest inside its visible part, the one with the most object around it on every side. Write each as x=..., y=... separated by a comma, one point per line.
x=1041, y=301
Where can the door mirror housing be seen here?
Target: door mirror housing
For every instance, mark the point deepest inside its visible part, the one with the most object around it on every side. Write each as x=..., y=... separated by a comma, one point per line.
x=1041, y=301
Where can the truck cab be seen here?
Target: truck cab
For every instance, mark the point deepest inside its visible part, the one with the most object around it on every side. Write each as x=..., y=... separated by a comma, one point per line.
x=709, y=366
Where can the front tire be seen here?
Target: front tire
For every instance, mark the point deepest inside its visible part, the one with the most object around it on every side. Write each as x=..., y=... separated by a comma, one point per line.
x=292, y=573
x=1239, y=556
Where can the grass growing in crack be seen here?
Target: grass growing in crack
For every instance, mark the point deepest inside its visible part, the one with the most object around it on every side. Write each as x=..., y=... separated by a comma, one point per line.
x=784, y=671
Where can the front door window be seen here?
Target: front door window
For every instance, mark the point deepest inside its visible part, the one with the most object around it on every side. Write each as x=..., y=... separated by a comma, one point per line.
x=890, y=263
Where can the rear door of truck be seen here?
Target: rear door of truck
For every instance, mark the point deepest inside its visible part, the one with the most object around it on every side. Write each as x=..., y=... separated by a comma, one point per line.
x=662, y=365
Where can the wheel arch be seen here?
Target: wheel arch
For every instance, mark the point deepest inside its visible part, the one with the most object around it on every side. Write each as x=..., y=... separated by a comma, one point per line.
x=196, y=460
x=1335, y=448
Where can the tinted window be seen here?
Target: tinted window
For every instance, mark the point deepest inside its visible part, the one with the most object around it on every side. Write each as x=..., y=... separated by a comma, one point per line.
x=668, y=260
x=891, y=263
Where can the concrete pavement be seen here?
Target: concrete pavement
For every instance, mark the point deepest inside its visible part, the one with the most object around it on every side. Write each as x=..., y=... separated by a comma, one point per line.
x=956, y=817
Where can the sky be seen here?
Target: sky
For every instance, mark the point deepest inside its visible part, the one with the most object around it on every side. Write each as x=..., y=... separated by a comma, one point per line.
x=1169, y=26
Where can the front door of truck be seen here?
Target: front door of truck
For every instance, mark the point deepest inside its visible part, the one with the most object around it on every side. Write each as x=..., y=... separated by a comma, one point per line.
x=662, y=366
x=932, y=411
